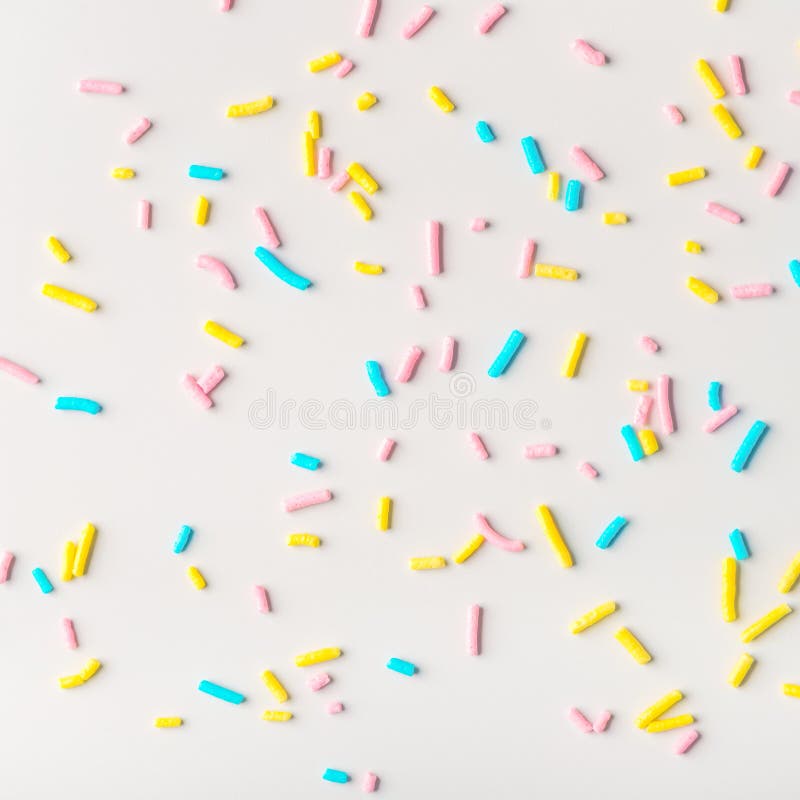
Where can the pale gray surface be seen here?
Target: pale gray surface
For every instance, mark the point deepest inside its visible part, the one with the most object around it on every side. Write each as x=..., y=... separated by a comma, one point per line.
x=464, y=727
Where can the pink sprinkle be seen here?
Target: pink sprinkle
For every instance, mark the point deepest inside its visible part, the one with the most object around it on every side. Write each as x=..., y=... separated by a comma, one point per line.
x=137, y=131
x=369, y=8
x=495, y=538
x=585, y=51
x=306, y=499
x=100, y=87
x=210, y=379
x=583, y=162
x=747, y=290
x=6, y=560
x=225, y=5
x=434, y=233
x=525, y=269
x=737, y=75
x=651, y=345
x=642, y=410
x=686, y=741
x=723, y=213
x=664, y=406
x=262, y=600
x=489, y=17
x=216, y=267
x=418, y=298
x=417, y=21
x=777, y=180
x=474, y=630
x=334, y=708
x=16, y=371
x=369, y=783
x=195, y=392
x=266, y=227
x=385, y=450
x=448, y=354
x=579, y=720
x=540, y=450
x=601, y=723
x=478, y=224
x=719, y=418
x=69, y=633
x=344, y=68
x=406, y=370
x=339, y=182
x=673, y=114
x=144, y=215
x=585, y=468
x=324, y=162
x=794, y=97
x=478, y=446
x=318, y=681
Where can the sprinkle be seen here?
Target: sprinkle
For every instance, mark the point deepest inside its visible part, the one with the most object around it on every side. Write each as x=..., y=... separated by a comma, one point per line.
x=507, y=355
x=484, y=131
x=721, y=5
x=206, y=173
x=633, y=646
x=225, y=5
x=570, y=366
x=70, y=681
x=530, y=148
x=427, y=562
x=384, y=520
x=144, y=215
x=615, y=218
x=593, y=617
x=70, y=298
x=42, y=580
x=210, y=379
x=194, y=390
x=643, y=407
x=406, y=369
x=726, y=121
x=553, y=186
x=478, y=224
x=632, y=440
x=525, y=269
x=366, y=20
x=78, y=404
x=223, y=334
x=262, y=600
x=318, y=681
x=663, y=725
x=474, y=615
x=324, y=62
x=201, y=206
x=702, y=290
x=417, y=21
x=167, y=722
x=585, y=468
x=489, y=17
x=496, y=538
x=90, y=85
x=686, y=176
x=737, y=75
x=274, y=686
x=221, y=693
x=196, y=577
x=720, y=418
x=441, y=99
x=317, y=656
x=750, y=290
x=344, y=68
x=710, y=79
x=58, y=250
x=385, y=450
x=309, y=158
x=362, y=178
x=791, y=689
x=765, y=623
x=646, y=343
x=715, y=395
x=723, y=213
x=276, y=716
x=579, y=720
x=648, y=441
x=729, y=588
x=369, y=783
x=433, y=234
x=740, y=670
x=403, y=667
x=182, y=539
x=794, y=97
x=217, y=268
x=469, y=548
x=83, y=550
x=324, y=155
x=280, y=270
x=69, y=633
x=553, y=534
x=777, y=180
x=573, y=197
x=794, y=270
x=266, y=227
x=306, y=499
x=587, y=53
x=6, y=560
x=540, y=451
x=789, y=578
x=335, y=776
x=67, y=560
x=739, y=544
x=673, y=114
x=448, y=354
x=16, y=371
x=753, y=157
x=314, y=121
x=361, y=205
x=251, y=108
x=478, y=446
x=586, y=164
x=692, y=247
x=601, y=723
x=663, y=391
x=375, y=375
x=637, y=385
x=752, y=439
x=611, y=532
x=334, y=708
x=305, y=461
x=88, y=671
x=365, y=101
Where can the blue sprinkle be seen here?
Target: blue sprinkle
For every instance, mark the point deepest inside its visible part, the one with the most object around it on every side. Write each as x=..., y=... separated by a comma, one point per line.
x=78, y=404
x=182, y=540
x=573, y=196
x=403, y=667
x=533, y=155
x=206, y=173
x=715, y=395
x=220, y=692
x=609, y=535
x=306, y=462
x=507, y=355
x=280, y=270
x=335, y=776
x=748, y=446
x=739, y=545
x=484, y=131
x=794, y=268
x=375, y=375
x=42, y=580
x=632, y=440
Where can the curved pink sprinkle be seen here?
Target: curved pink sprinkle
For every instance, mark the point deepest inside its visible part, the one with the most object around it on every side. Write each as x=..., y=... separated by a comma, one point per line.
x=585, y=51
x=100, y=87
x=525, y=269
x=601, y=723
x=487, y=20
x=651, y=345
x=69, y=633
x=369, y=9
x=344, y=68
x=210, y=379
x=6, y=560
x=686, y=741
x=794, y=97
x=737, y=75
x=385, y=450
x=369, y=783
x=778, y=179
x=673, y=114
x=723, y=213
x=540, y=450
x=448, y=354
x=324, y=162
x=417, y=21
x=137, y=131
x=664, y=405
x=474, y=630
x=318, y=681
x=262, y=600
x=195, y=392
x=719, y=418
x=747, y=290
x=16, y=371
x=585, y=468
x=642, y=410
x=418, y=298
x=144, y=215
x=339, y=182
x=306, y=499
x=266, y=227
x=579, y=720
x=495, y=538
x=582, y=160
x=334, y=708
x=478, y=224
x=216, y=267
x=433, y=232
x=406, y=369
x=478, y=446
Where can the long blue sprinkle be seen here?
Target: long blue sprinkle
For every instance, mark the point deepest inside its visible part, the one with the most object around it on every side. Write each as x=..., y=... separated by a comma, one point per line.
x=335, y=776
x=221, y=693
x=715, y=395
x=484, y=131
x=280, y=270
x=507, y=355
x=609, y=535
x=375, y=375
x=794, y=268
x=78, y=404
x=573, y=196
x=403, y=667
x=533, y=155
x=42, y=580
x=632, y=440
x=305, y=461
x=182, y=540
x=742, y=457
x=206, y=173
x=739, y=545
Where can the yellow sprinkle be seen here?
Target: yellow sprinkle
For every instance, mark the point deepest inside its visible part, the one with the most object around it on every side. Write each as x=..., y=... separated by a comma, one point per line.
x=427, y=562
x=277, y=716
x=275, y=686
x=223, y=334
x=365, y=101
x=314, y=122
x=169, y=722
x=384, y=513
x=658, y=708
x=726, y=121
x=552, y=271
x=469, y=548
x=729, y=589
x=363, y=178
x=753, y=157
x=83, y=550
x=368, y=269
x=441, y=99
x=791, y=575
x=662, y=725
x=710, y=79
x=648, y=441
x=702, y=290
x=553, y=535
x=791, y=689
x=686, y=176
x=615, y=218
x=309, y=155
x=570, y=366
x=692, y=247
x=553, y=185
x=196, y=577
x=89, y=669
x=303, y=540
x=637, y=386
x=739, y=672
x=123, y=173
x=70, y=681
x=317, y=656
x=633, y=646
x=58, y=250
x=70, y=298
x=251, y=108
x=765, y=623
x=324, y=62
x=201, y=210
x=593, y=617
x=67, y=560
x=721, y=5
x=361, y=205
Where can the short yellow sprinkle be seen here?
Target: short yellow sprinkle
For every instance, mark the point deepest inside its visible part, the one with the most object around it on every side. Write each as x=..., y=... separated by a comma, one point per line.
x=702, y=290
x=368, y=269
x=303, y=540
x=441, y=99
x=692, y=247
x=789, y=578
x=365, y=101
x=661, y=706
x=593, y=617
x=709, y=78
x=277, y=716
x=362, y=178
x=324, y=62
x=552, y=271
x=317, y=656
x=469, y=548
x=765, y=623
x=83, y=550
x=791, y=689
x=648, y=441
x=570, y=366
x=662, y=725
x=740, y=671
x=309, y=155
x=361, y=205
x=384, y=513
x=729, y=574
x=553, y=185
x=721, y=5
x=314, y=122
x=686, y=176
x=201, y=210
x=427, y=562
x=753, y=157
x=58, y=250
x=70, y=681
x=275, y=687
x=637, y=385
x=67, y=560
x=89, y=669
x=196, y=577
x=80, y=301
x=615, y=218
x=251, y=108
x=553, y=534
x=726, y=121
x=633, y=646
x=223, y=334
x=123, y=173
x=168, y=722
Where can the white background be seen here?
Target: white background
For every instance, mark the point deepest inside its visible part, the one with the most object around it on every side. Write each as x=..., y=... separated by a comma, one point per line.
x=492, y=726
